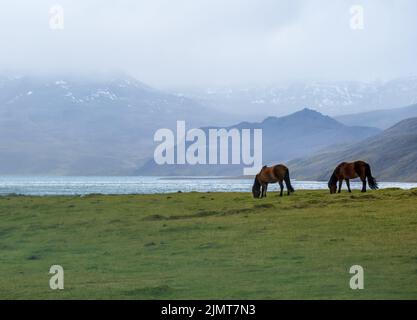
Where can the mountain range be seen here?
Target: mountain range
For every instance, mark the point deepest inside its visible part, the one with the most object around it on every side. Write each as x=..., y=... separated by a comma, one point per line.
x=68, y=125
x=86, y=126
x=301, y=133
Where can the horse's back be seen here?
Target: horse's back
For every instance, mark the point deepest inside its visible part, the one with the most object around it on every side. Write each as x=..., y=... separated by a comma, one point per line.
x=280, y=171
x=360, y=163
x=274, y=173
x=353, y=163
x=350, y=170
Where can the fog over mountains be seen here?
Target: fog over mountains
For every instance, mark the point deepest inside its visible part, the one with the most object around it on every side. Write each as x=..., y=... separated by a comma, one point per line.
x=382, y=119
x=105, y=125
x=331, y=98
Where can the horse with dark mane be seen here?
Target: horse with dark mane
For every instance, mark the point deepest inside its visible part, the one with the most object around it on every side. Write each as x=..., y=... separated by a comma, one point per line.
x=352, y=170
x=278, y=173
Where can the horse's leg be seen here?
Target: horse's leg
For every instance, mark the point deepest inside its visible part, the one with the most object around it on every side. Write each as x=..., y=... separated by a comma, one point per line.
x=348, y=185
x=340, y=186
x=266, y=189
x=363, y=184
x=288, y=190
x=281, y=185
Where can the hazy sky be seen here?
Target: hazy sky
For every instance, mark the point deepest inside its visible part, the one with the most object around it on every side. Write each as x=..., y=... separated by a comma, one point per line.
x=170, y=43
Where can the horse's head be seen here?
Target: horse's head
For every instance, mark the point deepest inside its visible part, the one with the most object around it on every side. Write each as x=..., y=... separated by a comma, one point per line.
x=333, y=188
x=332, y=184
x=256, y=188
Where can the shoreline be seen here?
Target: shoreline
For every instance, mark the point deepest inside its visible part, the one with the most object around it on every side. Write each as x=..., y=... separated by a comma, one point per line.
x=179, y=192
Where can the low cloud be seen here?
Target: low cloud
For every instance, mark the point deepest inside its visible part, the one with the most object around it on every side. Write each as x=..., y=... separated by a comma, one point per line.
x=206, y=42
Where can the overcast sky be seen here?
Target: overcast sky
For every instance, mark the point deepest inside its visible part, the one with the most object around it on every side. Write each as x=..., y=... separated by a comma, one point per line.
x=171, y=43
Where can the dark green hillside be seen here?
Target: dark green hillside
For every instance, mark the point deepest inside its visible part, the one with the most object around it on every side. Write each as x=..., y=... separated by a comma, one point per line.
x=392, y=155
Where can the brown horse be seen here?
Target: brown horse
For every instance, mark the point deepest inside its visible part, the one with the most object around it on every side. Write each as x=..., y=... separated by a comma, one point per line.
x=352, y=170
x=278, y=173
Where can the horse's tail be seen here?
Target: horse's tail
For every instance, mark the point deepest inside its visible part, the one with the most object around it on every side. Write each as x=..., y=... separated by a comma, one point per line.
x=288, y=181
x=371, y=180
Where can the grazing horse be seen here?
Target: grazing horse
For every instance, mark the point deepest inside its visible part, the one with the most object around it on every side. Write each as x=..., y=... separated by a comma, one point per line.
x=278, y=173
x=352, y=170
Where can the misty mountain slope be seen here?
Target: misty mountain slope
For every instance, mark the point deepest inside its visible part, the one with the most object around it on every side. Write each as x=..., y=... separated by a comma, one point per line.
x=333, y=98
x=392, y=155
x=382, y=119
x=86, y=126
x=299, y=134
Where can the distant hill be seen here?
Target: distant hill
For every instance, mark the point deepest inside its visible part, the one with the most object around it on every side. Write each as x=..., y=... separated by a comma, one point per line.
x=382, y=119
x=392, y=155
x=299, y=134
x=70, y=125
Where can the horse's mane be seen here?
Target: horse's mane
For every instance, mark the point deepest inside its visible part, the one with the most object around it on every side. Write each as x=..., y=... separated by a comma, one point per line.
x=333, y=179
x=256, y=183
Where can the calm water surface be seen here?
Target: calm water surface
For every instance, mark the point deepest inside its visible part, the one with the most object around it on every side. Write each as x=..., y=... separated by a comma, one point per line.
x=147, y=185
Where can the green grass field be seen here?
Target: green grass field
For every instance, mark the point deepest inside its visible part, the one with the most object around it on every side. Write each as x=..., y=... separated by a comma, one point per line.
x=210, y=246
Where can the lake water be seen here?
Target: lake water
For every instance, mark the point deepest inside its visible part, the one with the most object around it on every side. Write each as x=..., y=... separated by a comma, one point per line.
x=146, y=185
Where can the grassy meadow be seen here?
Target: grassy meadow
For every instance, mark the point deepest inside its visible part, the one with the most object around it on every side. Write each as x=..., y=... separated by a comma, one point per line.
x=210, y=245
